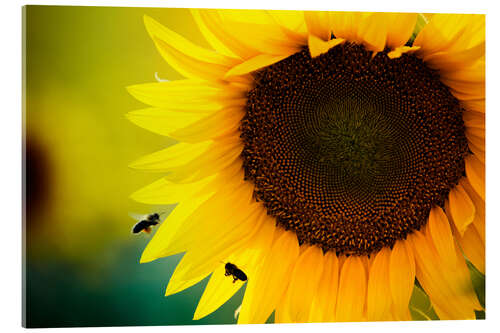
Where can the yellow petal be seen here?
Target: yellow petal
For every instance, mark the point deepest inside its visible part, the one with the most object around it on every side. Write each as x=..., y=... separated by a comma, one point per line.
x=160, y=243
x=474, y=170
x=478, y=205
x=187, y=163
x=476, y=146
x=400, y=314
x=478, y=152
x=185, y=57
x=293, y=20
x=372, y=30
x=378, y=300
x=178, y=231
x=220, y=155
x=217, y=32
x=304, y=284
x=317, y=46
x=292, y=23
x=460, y=78
x=447, y=61
x=476, y=105
x=218, y=291
x=474, y=89
x=255, y=63
x=345, y=25
x=194, y=165
x=228, y=179
x=440, y=234
x=251, y=257
x=476, y=136
x=399, y=51
x=281, y=315
x=267, y=287
x=463, y=94
x=268, y=39
x=164, y=192
x=187, y=95
x=223, y=186
x=200, y=261
x=162, y=121
x=221, y=288
x=352, y=290
x=178, y=283
x=401, y=277
x=318, y=24
x=475, y=140
x=476, y=131
x=211, y=38
x=174, y=156
x=450, y=33
x=473, y=246
x=462, y=209
x=401, y=26
x=233, y=227
x=474, y=120
x=323, y=307
x=217, y=124
x=472, y=73
x=449, y=287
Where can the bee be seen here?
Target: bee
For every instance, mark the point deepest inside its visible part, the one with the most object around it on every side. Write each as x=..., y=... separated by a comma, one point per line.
x=235, y=272
x=146, y=222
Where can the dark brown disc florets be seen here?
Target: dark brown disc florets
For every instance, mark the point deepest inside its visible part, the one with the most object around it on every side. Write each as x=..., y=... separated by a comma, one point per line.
x=351, y=151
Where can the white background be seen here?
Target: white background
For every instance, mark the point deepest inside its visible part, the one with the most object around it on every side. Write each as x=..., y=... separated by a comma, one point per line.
x=10, y=161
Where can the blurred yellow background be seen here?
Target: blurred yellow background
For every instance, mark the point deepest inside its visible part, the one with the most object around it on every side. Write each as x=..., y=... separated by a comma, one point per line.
x=82, y=260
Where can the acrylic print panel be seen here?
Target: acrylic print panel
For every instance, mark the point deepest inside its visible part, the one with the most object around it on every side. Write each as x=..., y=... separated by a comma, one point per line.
x=188, y=166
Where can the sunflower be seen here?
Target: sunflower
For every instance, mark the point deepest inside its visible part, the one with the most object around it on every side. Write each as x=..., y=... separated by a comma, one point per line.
x=337, y=158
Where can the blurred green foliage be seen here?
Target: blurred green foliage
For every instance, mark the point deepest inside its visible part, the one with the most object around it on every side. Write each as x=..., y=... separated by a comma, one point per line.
x=129, y=294
x=420, y=305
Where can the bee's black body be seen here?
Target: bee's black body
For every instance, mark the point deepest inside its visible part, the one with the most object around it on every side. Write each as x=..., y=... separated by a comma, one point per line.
x=154, y=217
x=146, y=224
x=238, y=274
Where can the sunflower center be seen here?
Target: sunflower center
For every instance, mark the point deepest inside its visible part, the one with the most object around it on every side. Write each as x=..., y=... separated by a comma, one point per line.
x=351, y=151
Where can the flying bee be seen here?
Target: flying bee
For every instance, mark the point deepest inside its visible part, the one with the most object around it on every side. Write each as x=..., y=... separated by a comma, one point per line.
x=235, y=272
x=146, y=222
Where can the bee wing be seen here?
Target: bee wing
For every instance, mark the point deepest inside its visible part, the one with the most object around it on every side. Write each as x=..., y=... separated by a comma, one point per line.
x=162, y=210
x=138, y=217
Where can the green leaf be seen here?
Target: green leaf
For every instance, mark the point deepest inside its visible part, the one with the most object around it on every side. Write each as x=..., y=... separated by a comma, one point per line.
x=480, y=314
x=421, y=22
x=478, y=282
x=420, y=305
